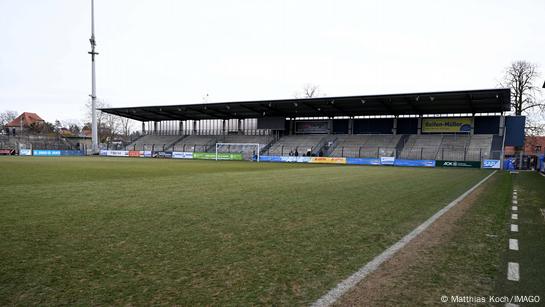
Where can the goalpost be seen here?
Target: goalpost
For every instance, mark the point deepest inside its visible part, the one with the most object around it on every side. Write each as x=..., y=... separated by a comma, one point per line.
x=243, y=148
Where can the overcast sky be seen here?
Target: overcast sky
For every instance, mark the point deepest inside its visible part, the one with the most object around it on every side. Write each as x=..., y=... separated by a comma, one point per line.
x=175, y=52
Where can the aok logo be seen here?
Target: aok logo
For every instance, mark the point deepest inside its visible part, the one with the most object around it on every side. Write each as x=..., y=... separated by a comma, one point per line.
x=450, y=164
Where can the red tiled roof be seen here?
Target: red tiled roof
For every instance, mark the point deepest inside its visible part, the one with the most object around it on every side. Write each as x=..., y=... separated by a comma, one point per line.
x=28, y=119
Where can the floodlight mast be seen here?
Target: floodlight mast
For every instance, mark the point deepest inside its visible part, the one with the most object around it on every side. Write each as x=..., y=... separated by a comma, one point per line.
x=94, y=128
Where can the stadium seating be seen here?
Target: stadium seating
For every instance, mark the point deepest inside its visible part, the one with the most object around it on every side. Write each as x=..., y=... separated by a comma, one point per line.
x=426, y=146
x=365, y=145
x=301, y=143
x=453, y=147
x=421, y=147
x=447, y=147
x=154, y=142
x=479, y=147
x=196, y=143
x=35, y=142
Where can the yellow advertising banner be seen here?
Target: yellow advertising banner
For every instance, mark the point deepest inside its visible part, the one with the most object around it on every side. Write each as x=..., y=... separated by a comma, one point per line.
x=328, y=160
x=447, y=125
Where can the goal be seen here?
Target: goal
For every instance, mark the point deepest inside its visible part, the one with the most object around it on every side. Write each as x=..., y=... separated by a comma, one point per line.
x=249, y=151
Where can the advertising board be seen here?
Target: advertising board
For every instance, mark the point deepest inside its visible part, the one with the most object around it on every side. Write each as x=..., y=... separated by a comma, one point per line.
x=443, y=163
x=494, y=164
x=447, y=125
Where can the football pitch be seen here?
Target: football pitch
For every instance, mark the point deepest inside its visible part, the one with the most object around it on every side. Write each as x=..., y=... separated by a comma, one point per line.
x=122, y=231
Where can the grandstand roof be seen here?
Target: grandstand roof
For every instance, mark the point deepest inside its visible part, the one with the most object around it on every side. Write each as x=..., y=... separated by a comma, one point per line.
x=472, y=101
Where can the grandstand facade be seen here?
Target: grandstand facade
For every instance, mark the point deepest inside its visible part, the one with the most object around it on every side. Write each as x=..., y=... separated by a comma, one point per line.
x=461, y=126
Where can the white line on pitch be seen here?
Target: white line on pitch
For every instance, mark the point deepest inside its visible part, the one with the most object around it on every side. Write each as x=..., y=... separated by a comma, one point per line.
x=515, y=202
x=514, y=208
x=341, y=288
x=513, y=271
x=514, y=216
x=514, y=244
x=514, y=227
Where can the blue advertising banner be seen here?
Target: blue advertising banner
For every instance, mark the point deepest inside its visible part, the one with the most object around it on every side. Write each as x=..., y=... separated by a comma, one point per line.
x=363, y=161
x=45, y=152
x=284, y=159
x=71, y=153
x=417, y=163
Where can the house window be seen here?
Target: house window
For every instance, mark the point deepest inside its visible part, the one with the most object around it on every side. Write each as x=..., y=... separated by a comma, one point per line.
x=538, y=148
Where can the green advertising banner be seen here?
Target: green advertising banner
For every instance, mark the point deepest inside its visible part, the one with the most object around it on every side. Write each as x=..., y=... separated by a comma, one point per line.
x=221, y=156
x=443, y=163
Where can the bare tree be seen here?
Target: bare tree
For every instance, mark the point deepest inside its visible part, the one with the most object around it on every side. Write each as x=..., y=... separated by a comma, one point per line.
x=125, y=126
x=109, y=125
x=6, y=117
x=101, y=116
x=309, y=91
x=521, y=77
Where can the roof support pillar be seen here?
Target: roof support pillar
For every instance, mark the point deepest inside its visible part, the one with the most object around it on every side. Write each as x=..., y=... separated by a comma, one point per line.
x=239, y=126
x=351, y=125
x=143, y=128
x=292, y=120
x=502, y=125
x=394, y=128
x=330, y=125
x=155, y=127
x=223, y=127
x=194, y=127
x=180, y=127
x=419, y=127
x=472, y=131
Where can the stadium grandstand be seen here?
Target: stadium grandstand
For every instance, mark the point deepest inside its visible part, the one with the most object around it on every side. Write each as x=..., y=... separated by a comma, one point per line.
x=456, y=125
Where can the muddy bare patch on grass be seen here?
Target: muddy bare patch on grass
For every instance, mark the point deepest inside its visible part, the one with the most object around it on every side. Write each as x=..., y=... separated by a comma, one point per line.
x=400, y=280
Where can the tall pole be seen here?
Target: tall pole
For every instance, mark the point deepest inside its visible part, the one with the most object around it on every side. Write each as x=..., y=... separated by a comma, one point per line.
x=94, y=127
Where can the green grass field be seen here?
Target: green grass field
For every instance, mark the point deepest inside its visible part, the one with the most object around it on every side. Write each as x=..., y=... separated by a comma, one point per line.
x=116, y=231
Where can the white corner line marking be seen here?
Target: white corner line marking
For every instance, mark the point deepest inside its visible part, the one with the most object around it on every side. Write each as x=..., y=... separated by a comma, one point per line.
x=513, y=271
x=514, y=216
x=341, y=288
x=514, y=227
x=514, y=244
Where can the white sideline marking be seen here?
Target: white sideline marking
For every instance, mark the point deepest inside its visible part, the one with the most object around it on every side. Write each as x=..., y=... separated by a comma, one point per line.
x=341, y=288
x=514, y=227
x=514, y=216
x=515, y=197
x=513, y=271
x=514, y=244
x=514, y=208
x=515, y=202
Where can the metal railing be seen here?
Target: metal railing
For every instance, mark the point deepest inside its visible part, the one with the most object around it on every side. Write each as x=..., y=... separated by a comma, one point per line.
x=254, y=132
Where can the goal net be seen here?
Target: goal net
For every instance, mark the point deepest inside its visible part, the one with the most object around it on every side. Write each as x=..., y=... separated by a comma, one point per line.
x=249, y=151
